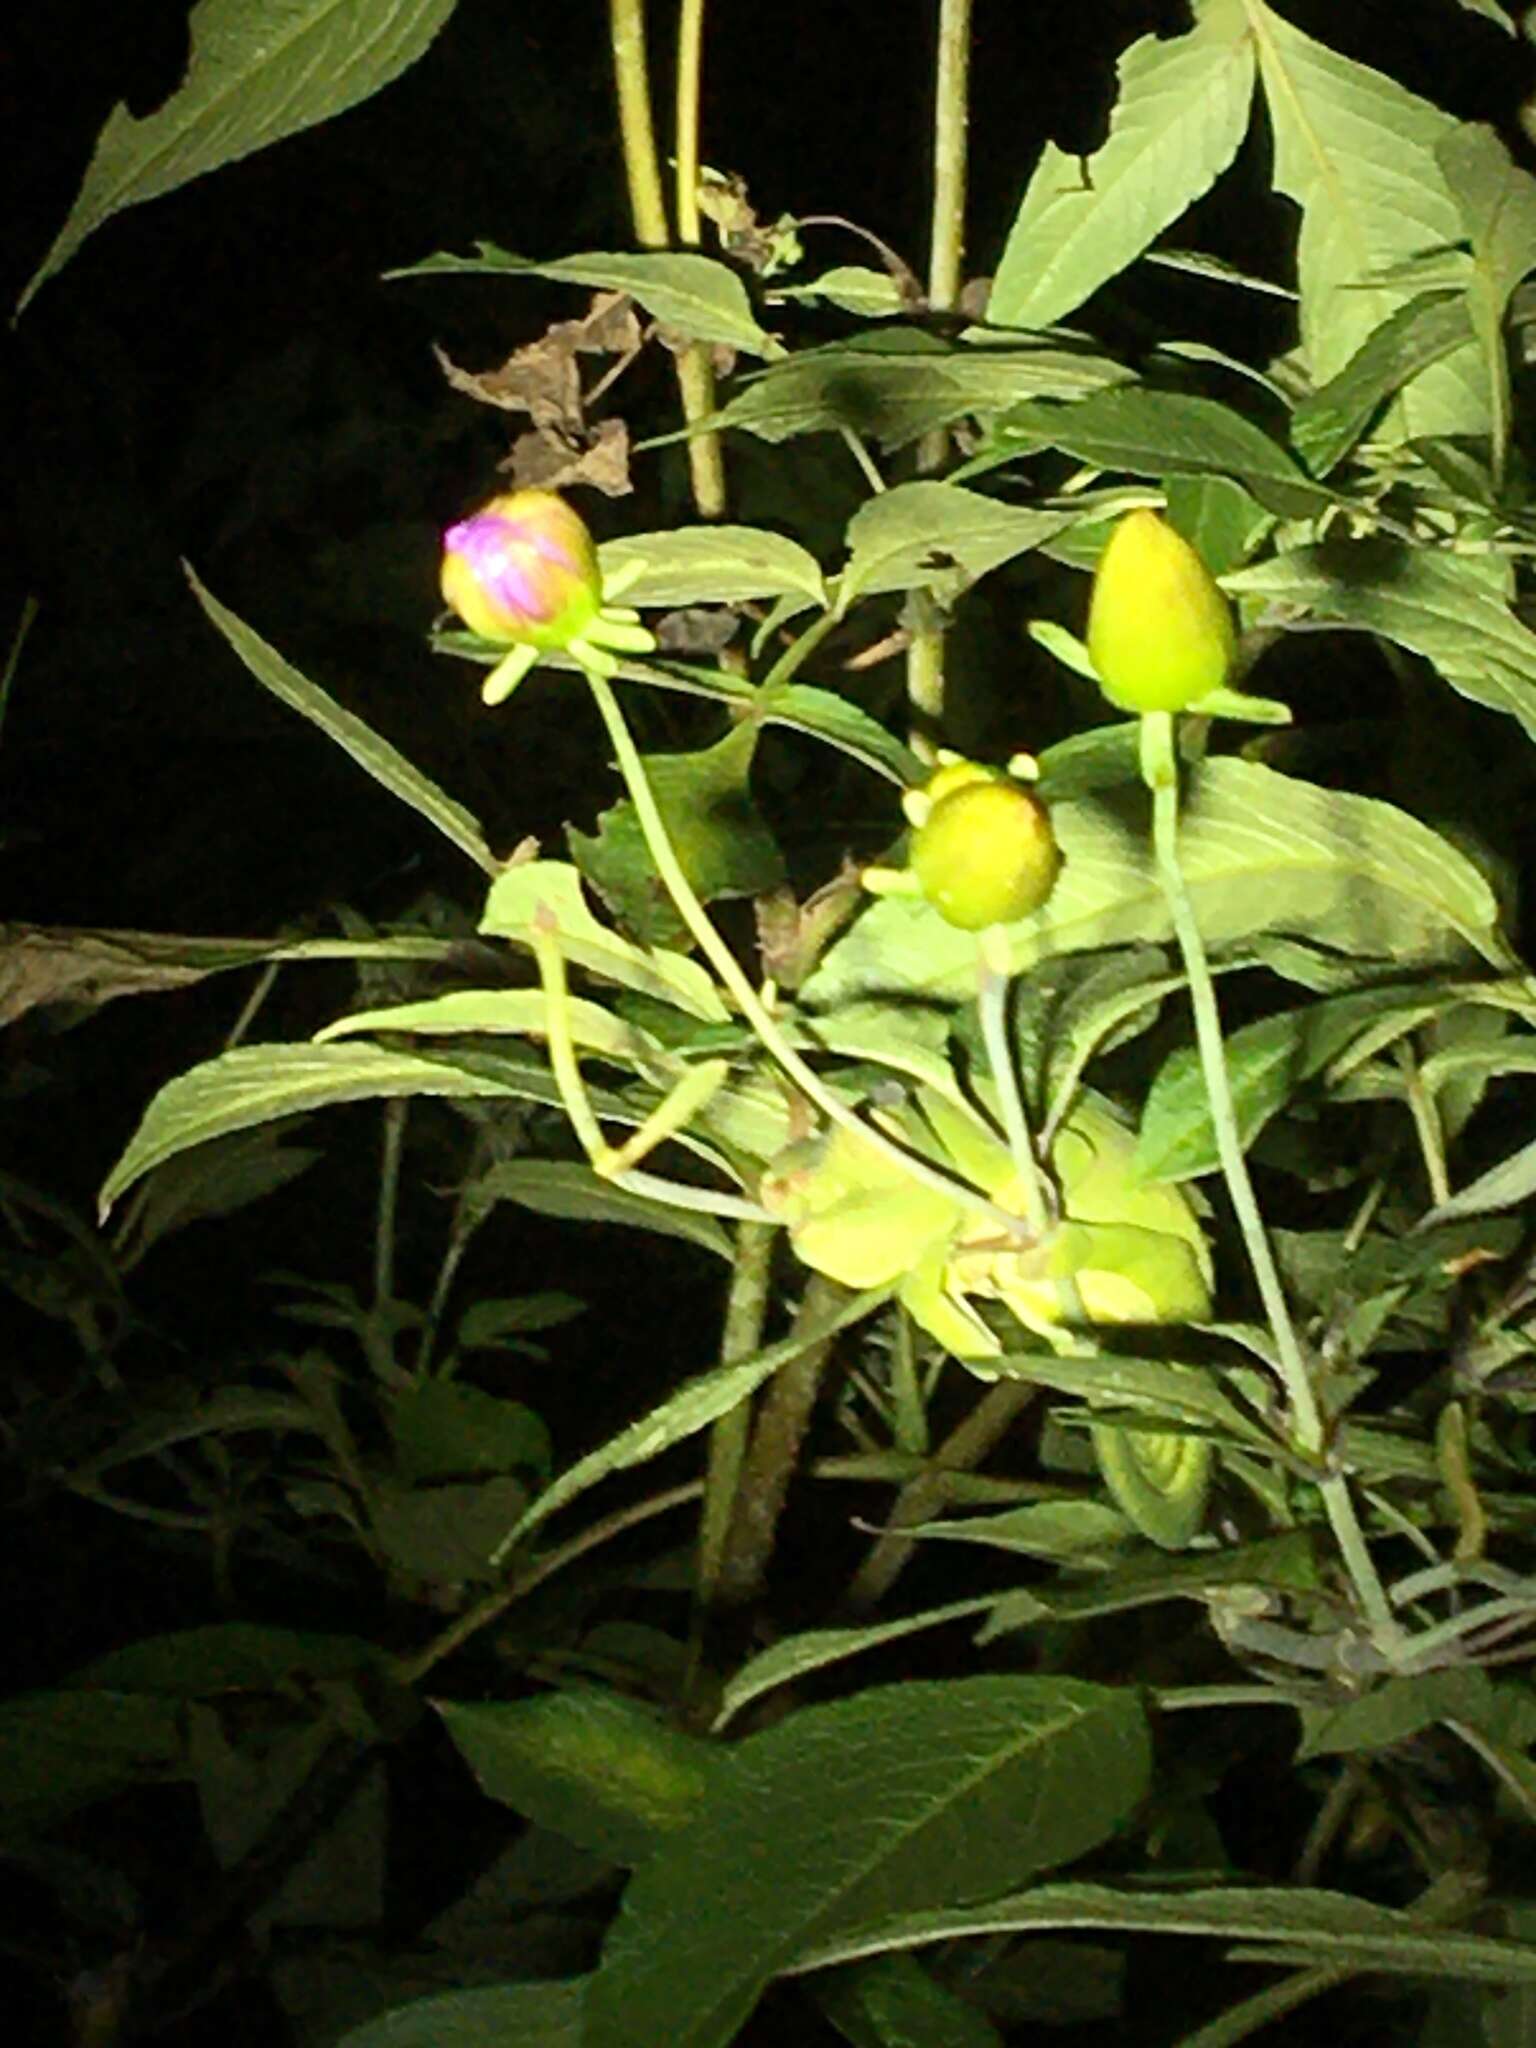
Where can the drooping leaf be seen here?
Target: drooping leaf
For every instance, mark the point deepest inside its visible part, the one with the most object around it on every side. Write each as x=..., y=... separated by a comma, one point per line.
x=1356, y=152
x=259, y=70
x=386, y=764
x=697, y=295
x=1434, y=604
x=944, y=1792
x=233, y=1656
x=62, y=1750
x=442, y=1429
x=1180, y=114
x=255, y=1084
x=1294, y=1922
x=600, y=1769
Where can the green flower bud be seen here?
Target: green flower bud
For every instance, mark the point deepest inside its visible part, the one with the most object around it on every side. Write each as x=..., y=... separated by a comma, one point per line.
x=985, y=854
x=1160, y=633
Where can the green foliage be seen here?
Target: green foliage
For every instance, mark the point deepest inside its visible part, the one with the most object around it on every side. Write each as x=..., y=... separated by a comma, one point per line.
x=1188, y=1212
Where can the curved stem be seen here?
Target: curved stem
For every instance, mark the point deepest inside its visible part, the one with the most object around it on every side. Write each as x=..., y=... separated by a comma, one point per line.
x=753, y=1008
x=695, y=366
x=1159, y=769
x=992, y=1009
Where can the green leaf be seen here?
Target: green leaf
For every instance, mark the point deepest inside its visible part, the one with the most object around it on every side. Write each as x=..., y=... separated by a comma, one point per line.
x=929, y=535
x=604, y=1771
x=1065, y=1531
x=869, y=294
x=1436, y=605
x=443, y=1430
x=698, y=296
x=1497, y=204
x=712, y=565
x=491, y=1012
x=1356, y=151
x=944, y=1792
x=1261, y=852
x=574, y=1193
x=892, y=2002
x=696, y=1404
x=1222, y=522
x=1323, y=1926
x=1181, y=112
x=501, y=2016
x=259, y=70
x=894, y=385
x=825, y=716
x=1425, y=330
x=1171, y=433
x=254, y=1084
x=384, y=763
x=524, y=892
x=215, y=1180
x=1395, y=1710
x=793, y=1656
x=1267, y=1063
x=233, y=1656
x=1503, y=1186
x=717, y=832
x=1277, y=1563
x=63, y=1750
x=444, y=1535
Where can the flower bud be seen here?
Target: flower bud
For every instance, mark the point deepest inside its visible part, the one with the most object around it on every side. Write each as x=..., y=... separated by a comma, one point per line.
x=985, y=854
x=523, y=570
x=1160, y=633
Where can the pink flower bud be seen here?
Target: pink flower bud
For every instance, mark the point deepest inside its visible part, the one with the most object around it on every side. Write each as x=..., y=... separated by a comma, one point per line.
x=523, y=571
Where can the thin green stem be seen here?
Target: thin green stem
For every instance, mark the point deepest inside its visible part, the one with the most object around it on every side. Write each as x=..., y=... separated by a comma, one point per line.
x=642, y=168
x=992, y=1009
x=798, y=652
x=1160, y=772
x=1426, y=1125
x=746, y=1311
x=24, y=624
x=951, y=116
x=690, y=67
x=751, y=1004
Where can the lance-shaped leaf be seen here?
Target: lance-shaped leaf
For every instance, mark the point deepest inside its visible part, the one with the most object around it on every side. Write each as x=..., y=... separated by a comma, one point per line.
x=260, y=70
x=1180, y=115
x=1497, y=203
x=1356, y=151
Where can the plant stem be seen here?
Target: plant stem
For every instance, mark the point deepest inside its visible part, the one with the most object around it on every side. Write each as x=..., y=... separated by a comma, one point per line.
x=992, y=1009
x=389, y=1197
x=923, y=1497
x=741, y=1334
x=648, y=208
x=783, y=1417
x=1159, y=767
x=695, y=367
x=642, y=168
x=753, y=1008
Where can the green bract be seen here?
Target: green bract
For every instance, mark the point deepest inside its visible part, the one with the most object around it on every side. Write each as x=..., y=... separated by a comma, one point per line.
x=1160, y=633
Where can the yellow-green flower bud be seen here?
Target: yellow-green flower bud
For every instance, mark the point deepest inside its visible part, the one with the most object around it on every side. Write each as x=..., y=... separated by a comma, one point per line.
x=1160, y=633
x=523, y=571
x=985, y=854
